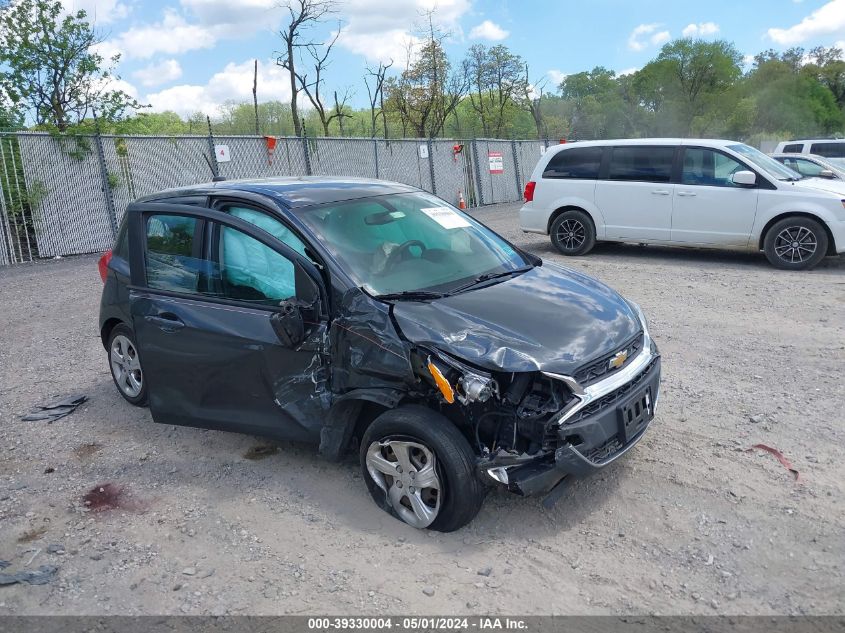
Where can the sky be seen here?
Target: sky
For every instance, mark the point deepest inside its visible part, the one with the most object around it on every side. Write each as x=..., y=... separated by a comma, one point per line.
x=195, y=55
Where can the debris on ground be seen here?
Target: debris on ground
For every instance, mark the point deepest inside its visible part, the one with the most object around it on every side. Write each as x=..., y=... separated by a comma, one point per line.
x=773, y=451
x=40, y=576
x=56, y=409
x=104, y=497
x=260, y=451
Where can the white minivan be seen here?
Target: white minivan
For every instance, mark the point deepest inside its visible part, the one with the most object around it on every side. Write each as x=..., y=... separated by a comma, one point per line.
x=685, y=192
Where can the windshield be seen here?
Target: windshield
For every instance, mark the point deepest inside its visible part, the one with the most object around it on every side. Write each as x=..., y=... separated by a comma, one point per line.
x=765, y=163
x=409, y=242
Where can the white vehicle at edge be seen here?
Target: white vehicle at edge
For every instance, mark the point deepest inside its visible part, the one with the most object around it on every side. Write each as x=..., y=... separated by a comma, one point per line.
x=683, y=192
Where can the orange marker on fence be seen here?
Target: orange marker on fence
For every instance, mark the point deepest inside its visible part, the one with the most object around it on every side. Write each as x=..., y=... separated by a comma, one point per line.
x=462, y=204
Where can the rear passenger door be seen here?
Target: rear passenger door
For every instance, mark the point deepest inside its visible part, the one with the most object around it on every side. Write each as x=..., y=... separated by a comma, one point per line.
x=635, y=192
x=709, y=208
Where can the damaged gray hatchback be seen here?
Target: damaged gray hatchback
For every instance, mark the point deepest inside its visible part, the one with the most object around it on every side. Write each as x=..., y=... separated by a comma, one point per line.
x=360, y=314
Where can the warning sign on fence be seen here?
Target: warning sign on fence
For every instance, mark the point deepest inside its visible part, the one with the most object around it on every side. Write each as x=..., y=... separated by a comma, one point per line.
x=497, y=164
x=222, y=153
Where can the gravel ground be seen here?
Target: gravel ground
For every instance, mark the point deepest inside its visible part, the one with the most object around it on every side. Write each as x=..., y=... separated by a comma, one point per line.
x=689, y=522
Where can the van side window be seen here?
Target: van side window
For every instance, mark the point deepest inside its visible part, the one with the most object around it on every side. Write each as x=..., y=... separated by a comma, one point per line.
x=795, y=148
x=576, y=163
x=641, y=163
x=828, y=150
x=708, y=167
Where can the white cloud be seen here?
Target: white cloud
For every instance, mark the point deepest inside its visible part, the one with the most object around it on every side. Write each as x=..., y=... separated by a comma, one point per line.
x=172, y=36
x=556, y=76
x=233, y=83
x=702, y=29
x=99, y=11
x=627, y=71
x=244, y=15
x=157, y=74
x=488, y=30
x=825, y=21
x=381, y=30
x=645, y=34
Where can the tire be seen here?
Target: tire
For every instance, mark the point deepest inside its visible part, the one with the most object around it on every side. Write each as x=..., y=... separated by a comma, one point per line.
x=125, y=366
x=572, y=233
x=403, y=435
x=795, y=243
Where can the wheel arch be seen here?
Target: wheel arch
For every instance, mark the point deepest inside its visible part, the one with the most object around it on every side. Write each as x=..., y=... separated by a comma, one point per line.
x=351, y=415
x=106, y=330
x=831, y=243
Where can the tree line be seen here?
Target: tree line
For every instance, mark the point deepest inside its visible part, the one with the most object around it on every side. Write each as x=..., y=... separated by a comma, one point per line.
x=50, y=78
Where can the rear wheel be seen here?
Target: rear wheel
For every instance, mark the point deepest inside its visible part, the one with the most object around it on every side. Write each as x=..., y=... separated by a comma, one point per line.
x=572, y=233
x=419, y=468
x=125, y=365
x=795, y=243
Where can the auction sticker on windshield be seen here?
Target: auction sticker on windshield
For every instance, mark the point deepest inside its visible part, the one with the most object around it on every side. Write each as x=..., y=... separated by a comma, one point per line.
x=446, y=217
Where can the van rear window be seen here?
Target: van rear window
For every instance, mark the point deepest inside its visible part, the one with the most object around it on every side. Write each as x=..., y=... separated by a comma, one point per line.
x=575, y=163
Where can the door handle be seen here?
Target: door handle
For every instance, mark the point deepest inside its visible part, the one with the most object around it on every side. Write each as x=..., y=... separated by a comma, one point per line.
x=686, y=194
x=660, y=192
x=167, y=321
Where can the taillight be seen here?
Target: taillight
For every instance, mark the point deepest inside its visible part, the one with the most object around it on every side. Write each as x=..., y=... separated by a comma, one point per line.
x=529, y=190
x=103, y=265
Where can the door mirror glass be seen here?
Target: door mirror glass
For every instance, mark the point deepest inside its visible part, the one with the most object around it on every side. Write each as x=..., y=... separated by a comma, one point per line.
x=744, y=178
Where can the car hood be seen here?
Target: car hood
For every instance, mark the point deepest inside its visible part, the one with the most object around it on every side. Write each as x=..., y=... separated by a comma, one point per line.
x=822, y=184
x=548, y=319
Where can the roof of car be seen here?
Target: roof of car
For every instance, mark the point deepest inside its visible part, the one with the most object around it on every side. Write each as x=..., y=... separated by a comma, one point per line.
x=293, y=192
x=711, y=142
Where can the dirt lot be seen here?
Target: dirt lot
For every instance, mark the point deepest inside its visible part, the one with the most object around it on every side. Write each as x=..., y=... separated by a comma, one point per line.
x=688, y=522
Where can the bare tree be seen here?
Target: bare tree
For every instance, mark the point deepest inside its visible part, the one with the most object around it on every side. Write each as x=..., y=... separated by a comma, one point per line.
x=303, y=15
x=320, y=57
x=532, y=100
x=340, y=112
x=376, y=95
x=255, y=95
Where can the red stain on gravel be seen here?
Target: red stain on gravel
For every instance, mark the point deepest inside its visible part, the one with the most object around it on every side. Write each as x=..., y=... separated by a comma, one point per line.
x=106, y=497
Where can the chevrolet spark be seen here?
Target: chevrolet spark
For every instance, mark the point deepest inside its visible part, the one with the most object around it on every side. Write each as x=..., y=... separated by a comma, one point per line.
x=372, y=316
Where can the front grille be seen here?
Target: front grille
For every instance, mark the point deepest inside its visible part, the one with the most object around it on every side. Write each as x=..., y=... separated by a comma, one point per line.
x=599, y=369
x=612, y=398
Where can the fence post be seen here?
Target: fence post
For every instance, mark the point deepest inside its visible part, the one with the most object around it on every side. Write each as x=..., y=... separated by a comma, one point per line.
x=215, y=168
x=431, y=166
x=516, y=172
x=478, y=184
x=306, y=153
x=375, y=153
x=104, y=175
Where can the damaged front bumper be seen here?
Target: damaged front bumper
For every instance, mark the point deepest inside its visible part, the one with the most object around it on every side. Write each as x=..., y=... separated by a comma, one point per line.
x=602, y=422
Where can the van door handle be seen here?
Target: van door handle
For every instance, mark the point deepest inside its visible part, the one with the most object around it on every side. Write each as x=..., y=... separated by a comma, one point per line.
x=686, y=194
x=660, y=192
x=167, y=321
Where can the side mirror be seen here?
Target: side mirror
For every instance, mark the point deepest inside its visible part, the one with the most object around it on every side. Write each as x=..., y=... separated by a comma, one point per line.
x=744, y=178
x=288, y=323
x=827, y=173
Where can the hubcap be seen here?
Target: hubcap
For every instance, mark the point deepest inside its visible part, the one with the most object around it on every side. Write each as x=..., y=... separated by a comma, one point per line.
x=795, y=244
x=407, y=473
x=571, y=234
x=125, y=366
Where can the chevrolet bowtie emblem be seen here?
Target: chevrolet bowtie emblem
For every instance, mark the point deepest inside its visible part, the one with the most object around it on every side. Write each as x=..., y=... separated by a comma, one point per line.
x=618, y=360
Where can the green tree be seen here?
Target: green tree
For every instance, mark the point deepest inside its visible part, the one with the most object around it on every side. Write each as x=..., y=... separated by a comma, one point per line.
x=48, y=66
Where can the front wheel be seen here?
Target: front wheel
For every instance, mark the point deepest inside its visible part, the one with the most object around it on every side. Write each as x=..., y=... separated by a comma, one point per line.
x=795, y=243
x=572, y=233
x=419, y=468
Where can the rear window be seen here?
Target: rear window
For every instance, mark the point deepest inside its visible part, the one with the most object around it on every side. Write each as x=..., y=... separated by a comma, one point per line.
x=641, y=163
x=829, y=150
x=575, y=163
x=795, y=148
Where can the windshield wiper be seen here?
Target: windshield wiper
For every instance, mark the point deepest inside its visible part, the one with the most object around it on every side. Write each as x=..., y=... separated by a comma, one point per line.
x=410, y=295
x=488, y=277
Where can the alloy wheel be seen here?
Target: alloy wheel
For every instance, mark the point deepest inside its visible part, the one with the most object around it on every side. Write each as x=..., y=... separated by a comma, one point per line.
x=571, y=234
x=407, y=472
x=795, y=244
x=126, y=366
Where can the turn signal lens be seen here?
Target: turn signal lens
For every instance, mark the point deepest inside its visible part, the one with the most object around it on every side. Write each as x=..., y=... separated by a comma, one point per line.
x=103, y=265
x=441, y=382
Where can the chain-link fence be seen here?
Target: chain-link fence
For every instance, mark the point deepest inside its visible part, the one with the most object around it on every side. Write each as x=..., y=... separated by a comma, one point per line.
x=63, y=195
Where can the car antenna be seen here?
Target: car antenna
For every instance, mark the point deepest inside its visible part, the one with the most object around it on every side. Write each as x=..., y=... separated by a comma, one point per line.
x=214, y=177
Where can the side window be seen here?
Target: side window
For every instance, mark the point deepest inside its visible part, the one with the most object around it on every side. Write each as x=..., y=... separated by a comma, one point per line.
x=708, y=167
x=274, y=227
x=795, y=148
x=170, y=245
x=828, y=150
x=247, y=270
x=807, y=167
x=576, y=163
x=641, y=163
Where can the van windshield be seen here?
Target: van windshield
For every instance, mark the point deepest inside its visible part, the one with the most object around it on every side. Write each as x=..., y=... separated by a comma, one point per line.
x=765, y=163
x=410, y=243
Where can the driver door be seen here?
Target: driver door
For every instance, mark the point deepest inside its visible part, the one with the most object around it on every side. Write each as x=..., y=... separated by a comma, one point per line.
x=707, y=207
x=214, y=303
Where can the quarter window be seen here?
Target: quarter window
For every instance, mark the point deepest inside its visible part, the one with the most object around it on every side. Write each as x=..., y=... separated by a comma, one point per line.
x=795, y=148
x=575, y=163
x=641, y=163
x=828, y=150
x=708, y=167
